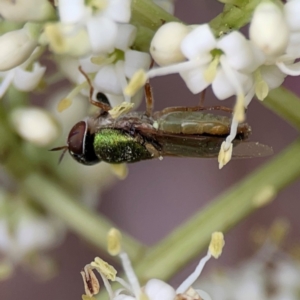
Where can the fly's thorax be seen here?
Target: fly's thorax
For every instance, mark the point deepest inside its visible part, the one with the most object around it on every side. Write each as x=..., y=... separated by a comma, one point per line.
x=198, y=123
x=117, y=146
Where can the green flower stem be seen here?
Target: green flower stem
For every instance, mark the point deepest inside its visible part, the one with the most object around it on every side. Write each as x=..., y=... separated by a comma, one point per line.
x=187, y=241
x=147, y=14
x=85, y=222
x=233, y=17
x=286, y=104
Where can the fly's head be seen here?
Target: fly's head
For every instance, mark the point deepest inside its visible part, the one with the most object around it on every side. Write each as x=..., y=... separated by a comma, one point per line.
x=80, y=144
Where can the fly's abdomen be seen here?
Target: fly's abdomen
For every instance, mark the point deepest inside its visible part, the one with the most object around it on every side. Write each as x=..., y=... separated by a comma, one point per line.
x=194, y=123
x=115, y=146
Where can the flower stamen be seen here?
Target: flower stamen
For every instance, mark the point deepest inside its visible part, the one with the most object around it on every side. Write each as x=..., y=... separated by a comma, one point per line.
x=211, y=71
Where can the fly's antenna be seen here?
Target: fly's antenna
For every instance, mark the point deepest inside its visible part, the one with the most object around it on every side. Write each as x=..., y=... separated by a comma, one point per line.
x=64, y=148
x=101, y=105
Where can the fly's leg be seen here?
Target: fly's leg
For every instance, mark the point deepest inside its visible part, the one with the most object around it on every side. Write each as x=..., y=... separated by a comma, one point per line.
x=202, y=98
x=101, y=105
x=190, y=109
x=149, y=100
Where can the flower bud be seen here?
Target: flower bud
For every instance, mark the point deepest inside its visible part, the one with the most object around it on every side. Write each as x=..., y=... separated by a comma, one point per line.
x=269, y=30
x=165, y=45
x=27, y=10
x=16, y=47
x=35, y=125
x=156, y=289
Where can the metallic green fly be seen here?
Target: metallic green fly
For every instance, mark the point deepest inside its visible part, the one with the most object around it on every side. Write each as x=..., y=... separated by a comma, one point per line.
x=136, y=136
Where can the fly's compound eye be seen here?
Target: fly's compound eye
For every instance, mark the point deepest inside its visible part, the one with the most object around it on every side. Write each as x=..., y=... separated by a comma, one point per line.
x=81, y=144
x=102, y=98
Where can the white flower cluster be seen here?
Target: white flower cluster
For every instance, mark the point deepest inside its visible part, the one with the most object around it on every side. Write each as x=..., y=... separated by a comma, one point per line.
x=231, y=64
x=271, y=275
x=100, y=36
x=154, y=289
x=24, y=233
x=95, y=35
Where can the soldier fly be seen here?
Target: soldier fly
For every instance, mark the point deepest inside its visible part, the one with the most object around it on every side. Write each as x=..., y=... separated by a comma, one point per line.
x=136, y=136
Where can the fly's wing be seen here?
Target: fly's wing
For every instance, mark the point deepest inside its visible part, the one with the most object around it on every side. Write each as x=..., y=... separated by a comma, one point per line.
x=207, y=146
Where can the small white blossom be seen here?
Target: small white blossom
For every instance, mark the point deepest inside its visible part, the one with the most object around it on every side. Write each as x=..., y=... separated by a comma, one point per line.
x=16, y=47
x=253, y=279
x=113, y=78
x=21, y=78
x=26, y=231
x=84, y=29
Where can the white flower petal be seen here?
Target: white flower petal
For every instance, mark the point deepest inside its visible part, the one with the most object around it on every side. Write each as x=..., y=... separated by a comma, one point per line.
x=293, y=48
x=194, y=79
x=115, y=100
x=289, y=69
x=272, y=76
x=125, y=37
x=107, y=81
x=238, y=52
x=223, y=87
x=88, y=66
x=157, y=289
x=119, y=10
x=176, y=68
x=102, y=33
x=71, y=11
x=198, y=43
x=292, y=12
x=28, y=80
x=119, y=67
x=135, y=60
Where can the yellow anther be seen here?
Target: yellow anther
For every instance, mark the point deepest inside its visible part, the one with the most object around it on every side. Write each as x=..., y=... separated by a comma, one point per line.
x=90, y=281
x=114, y=238
x=211, y=71
x=261, y=87
x=137, y=81
x=216, y=244
x=64, y=104
x=225, y=154
x=121, y=109
x=120, y=170
x=104, y=268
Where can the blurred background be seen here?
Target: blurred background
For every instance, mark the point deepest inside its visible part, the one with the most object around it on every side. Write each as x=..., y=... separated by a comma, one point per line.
x=159, y=195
